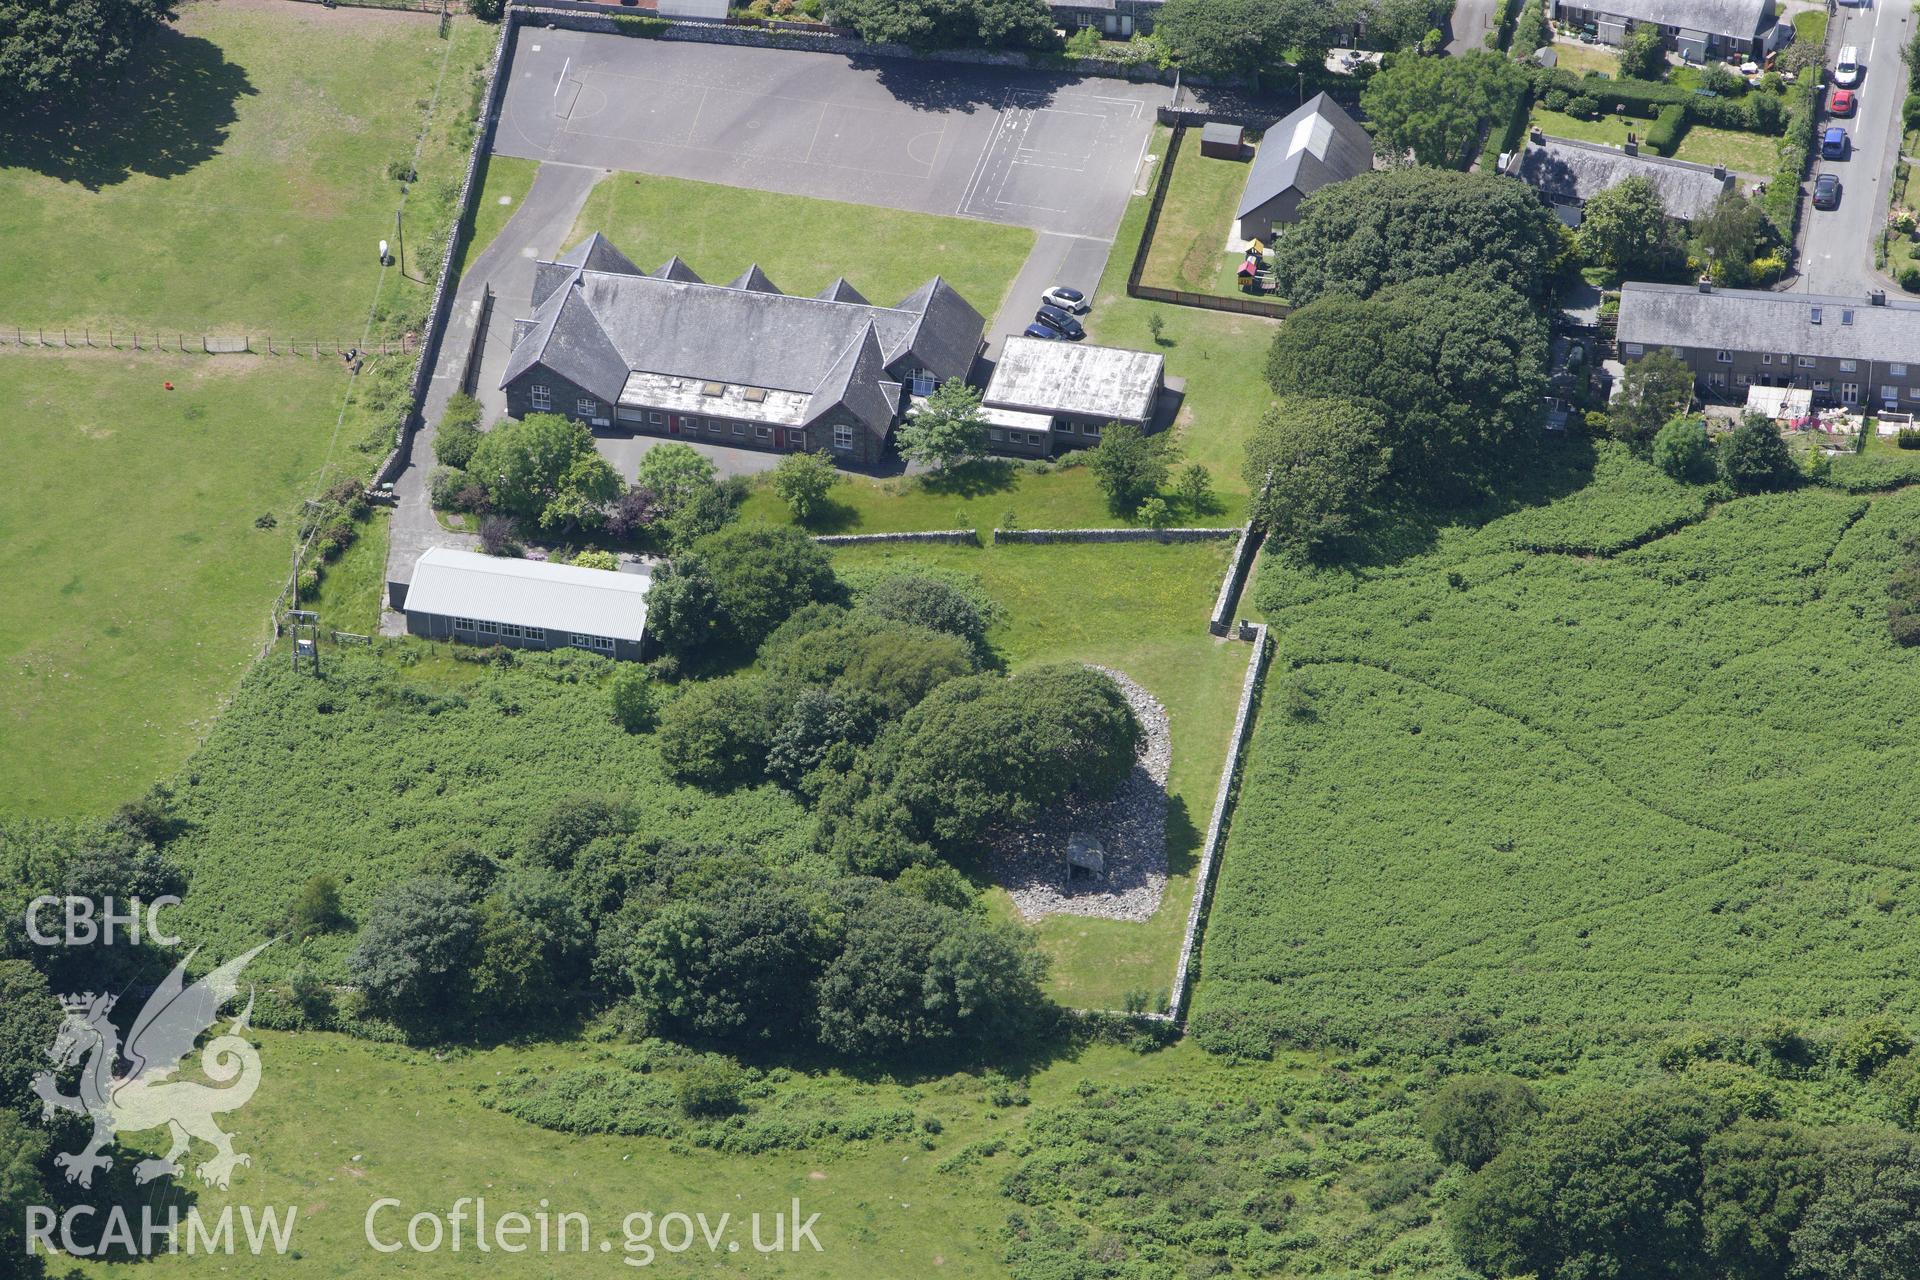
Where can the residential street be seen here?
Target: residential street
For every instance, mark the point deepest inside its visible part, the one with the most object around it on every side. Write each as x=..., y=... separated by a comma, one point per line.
x=1836, y=245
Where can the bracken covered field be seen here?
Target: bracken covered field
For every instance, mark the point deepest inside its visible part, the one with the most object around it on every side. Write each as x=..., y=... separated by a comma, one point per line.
x=1561, y=805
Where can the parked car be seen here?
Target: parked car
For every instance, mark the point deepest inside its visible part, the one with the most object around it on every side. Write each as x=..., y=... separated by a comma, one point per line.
x=1848, y=69
x=1041, y=331
x=1826, y=192
x=1069, y=300
x=1833, y=144
x=1840, y=102
x=1055, y=318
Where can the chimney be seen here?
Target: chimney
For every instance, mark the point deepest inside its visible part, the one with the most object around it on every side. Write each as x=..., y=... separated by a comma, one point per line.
x=1537, y=136
x=1633, y=145
x=1877, y=298
x=1706, y=284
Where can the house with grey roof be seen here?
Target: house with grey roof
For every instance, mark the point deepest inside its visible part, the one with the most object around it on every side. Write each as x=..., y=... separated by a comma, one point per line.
x=1114, y=19
x=1854, y=352
x=525, y=604
x=1046, y=395
x=1567, y=174
x=744, y=363
x=1316, y=146
x=1698, y=29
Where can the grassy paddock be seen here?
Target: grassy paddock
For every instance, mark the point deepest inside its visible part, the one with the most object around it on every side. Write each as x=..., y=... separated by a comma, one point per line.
x=1141, y=609
x=237, y=179
x=137, y=584
x=803, y=244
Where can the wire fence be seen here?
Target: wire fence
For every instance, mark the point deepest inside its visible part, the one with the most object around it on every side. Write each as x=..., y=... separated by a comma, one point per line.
x=213, y=344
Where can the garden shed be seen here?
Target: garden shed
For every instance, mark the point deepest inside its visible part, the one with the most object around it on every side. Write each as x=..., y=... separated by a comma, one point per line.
x=1223, y=141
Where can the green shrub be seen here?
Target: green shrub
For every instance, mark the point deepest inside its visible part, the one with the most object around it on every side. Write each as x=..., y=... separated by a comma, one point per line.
x=635, y=703
x=446, y=487
x=1471, y=1118
x=1910, y=277
x=712, y=1088
x=1871, y=1044
x=1583, y=108
x=1907, y=438
x=595, y=559
x=645, y=26
x=1556, y=99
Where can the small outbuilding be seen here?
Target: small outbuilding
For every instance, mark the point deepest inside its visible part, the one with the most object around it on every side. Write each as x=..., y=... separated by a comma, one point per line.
x=1223, y=141
x=526, y=604
x=1074, y=388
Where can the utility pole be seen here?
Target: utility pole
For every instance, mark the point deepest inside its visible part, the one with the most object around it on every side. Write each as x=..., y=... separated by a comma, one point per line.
x=400, y=238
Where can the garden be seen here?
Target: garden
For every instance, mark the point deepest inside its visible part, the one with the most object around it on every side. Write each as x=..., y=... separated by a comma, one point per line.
x=1189, y=248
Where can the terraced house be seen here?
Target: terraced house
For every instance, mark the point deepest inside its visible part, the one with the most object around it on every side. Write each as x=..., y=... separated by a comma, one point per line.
x=1697, y=29
x=1857, y=352
x=741, y=364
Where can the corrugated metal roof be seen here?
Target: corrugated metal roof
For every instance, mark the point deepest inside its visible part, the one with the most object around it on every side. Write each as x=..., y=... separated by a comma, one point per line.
x=1044, y=376
x=530, y=593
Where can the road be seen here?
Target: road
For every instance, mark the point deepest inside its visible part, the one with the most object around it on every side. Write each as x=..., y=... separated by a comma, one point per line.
x=1472, y=19
x=1836, y=245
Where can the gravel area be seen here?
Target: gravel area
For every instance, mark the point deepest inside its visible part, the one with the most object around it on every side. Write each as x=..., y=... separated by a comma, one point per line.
x=1130, y=826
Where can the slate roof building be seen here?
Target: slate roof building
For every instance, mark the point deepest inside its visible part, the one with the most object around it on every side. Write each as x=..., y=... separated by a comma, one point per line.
x=1855, y=352
x=742, y=363
x=1048, y=395
x=1699, y=29
x=526, y=604
x=1568, y=174
x=1316, y=146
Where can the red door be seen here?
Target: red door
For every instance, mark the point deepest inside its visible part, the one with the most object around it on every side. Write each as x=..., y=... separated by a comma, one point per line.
x=779, y=437
x=673, y=424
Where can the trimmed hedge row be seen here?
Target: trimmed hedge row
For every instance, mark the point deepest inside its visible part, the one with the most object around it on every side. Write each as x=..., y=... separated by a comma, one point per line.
x=1755, y=112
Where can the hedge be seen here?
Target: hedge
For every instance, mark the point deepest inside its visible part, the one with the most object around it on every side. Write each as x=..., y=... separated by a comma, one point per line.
x=1758, y=112
x=1668, y=129
x=1782, y=201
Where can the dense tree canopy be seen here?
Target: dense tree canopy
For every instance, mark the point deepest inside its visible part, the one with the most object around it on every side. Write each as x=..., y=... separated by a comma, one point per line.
x=544, y=467
x=1608, y=1184
x=1130, y=465
x=415, y=944
x=947, y=24
x=1312, y=465
x=946, y=430
x=1436, y=109
x=1385, y=228
x=733, y=587
x=1245, y=37
x=1471, y=1118
x=734, y=972
x=1452, y=366
x=1625, y=228
x=978, y=751
x=1756, y=458
x=29, y=1015
x=56, y=50
x=913, y=976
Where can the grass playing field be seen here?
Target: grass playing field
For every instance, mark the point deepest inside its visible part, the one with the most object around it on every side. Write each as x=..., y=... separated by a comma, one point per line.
x=236, y=180
x=137, y=583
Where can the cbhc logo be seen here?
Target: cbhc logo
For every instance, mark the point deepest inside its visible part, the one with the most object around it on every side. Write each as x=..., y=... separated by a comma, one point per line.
x=84, y=924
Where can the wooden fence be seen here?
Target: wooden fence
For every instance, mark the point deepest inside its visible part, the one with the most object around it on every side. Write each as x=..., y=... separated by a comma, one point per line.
x=1182, y=297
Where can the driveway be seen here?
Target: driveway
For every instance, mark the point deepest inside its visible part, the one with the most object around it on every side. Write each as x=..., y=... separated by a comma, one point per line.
x=1836, y=245
x=1472, y=20
x=1051, y=151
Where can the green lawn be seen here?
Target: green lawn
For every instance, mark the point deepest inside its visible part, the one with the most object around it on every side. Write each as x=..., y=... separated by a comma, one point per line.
x=1189, y=249
x=137, y=584
x=237, y=179
x=504, y=183
x=1583, y=58
x=1752, y=153
x=1141, y=609
x=354, y=586
x=983, y=495
x=801, y=243
x=1222, y=357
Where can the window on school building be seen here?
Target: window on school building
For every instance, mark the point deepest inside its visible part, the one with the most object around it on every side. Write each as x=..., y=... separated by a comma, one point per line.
x=843, y=437
x=582, y=641
x=588, y=407
x=540, y=396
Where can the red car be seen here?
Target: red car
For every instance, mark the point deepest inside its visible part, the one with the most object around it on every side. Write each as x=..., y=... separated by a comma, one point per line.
x=1840, y=102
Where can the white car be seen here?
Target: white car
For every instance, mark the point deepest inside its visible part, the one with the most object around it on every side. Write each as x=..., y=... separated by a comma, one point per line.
x=1847, y=69
x=1069, y=300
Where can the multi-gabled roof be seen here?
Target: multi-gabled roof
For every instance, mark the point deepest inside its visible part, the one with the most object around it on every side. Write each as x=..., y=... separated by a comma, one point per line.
x=1744, y=19
x=598, y=321
x=1316, y=146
